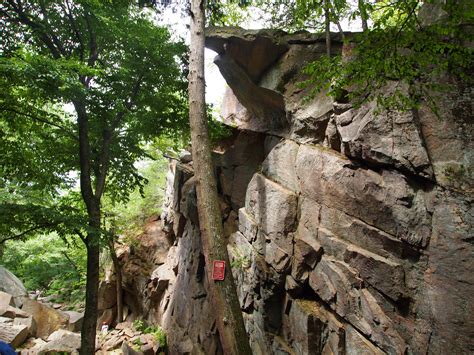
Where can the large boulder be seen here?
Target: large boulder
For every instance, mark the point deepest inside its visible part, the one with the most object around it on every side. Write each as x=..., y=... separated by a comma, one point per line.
x=265, y=109
x=11, y=284
x=75, y=320
x=61, y=341
x=253, y=50
x=385, y=199
x=5, y=300
x=7, y=308
x=12, y=334
x=360, y=212
x=47, y=319
x=12, y=312
x=107, y=297
x=29, y=322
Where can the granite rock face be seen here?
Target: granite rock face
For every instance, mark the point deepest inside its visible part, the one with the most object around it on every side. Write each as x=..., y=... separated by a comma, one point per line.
x=349, y=229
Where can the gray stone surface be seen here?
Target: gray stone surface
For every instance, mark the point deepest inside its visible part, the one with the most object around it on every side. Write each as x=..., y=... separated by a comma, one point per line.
x=354, y=229
x=449, y=278
x=356, y=344
x=5, y=300
x=107, y=297
x=279, y=165
x=29, y=322
x=272, y=206
x=383, y=274
x=75, y=320
x=12, y=285
x=385, y=200
x=448, y=134
x=12, y=334
x=384, y=138
x=314, y=330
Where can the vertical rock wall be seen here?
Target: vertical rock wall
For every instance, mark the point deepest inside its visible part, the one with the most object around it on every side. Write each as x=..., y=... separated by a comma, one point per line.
x=350, y=232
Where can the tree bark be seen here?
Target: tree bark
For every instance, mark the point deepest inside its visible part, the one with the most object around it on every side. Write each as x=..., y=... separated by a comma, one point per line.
x=118, y=281
x=89, y=324
x=92, y=202
x=339, y=27
x=363, y=15
x=228, y=315
x=327, y=25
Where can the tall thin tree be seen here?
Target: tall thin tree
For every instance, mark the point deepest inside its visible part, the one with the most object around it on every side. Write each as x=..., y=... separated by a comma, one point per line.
x=327, y=25
x=229, y=319
x=363, y=14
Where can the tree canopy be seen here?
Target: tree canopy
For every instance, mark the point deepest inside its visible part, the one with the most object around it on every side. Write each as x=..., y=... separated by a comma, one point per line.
x=61, y=60
x=85, y=84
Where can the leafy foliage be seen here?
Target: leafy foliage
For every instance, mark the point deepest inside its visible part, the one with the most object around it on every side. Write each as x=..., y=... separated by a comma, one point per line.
x=156, y=331
x=217, y=129
x=128, y=218
x=104, y=60
x=398, y=48
x=121, y=78
x=45, y=263
x=227, y=13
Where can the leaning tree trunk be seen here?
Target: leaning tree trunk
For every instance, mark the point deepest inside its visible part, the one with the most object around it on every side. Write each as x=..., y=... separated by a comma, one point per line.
x=223, y=293
x=341, y=31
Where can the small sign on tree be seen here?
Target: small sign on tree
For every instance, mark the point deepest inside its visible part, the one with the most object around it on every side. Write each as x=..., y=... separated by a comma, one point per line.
x=218, y=270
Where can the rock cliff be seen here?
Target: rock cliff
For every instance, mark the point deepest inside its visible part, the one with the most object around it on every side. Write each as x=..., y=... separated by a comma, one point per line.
x=350, y=230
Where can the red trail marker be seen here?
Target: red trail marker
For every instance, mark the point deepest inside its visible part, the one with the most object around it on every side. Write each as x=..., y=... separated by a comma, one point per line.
x=218, y=270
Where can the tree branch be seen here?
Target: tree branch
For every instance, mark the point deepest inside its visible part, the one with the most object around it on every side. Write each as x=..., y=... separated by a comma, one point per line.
x=84, y=155
x=54, y=38
x=73, y=264
x=93, y=50
x=35, y=27
x=68, y=11
x=108, y=136
x=68, y=132
x=80, y=235
x=22, y=234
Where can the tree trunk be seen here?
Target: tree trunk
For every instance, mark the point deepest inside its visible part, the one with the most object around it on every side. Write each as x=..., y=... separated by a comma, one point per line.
x=228, y=315
x=89, y=324
x=118, y=275
x=363, y=15
x=339, y=27
x=327, y=23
